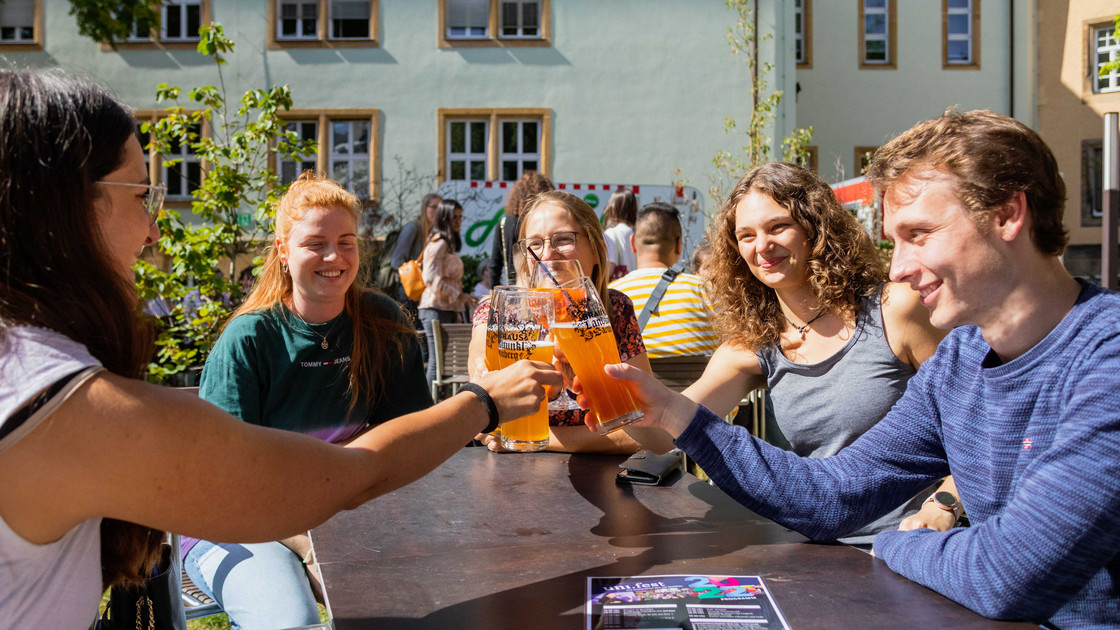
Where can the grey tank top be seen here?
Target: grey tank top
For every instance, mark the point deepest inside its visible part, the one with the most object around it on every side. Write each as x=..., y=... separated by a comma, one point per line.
x=823, y=407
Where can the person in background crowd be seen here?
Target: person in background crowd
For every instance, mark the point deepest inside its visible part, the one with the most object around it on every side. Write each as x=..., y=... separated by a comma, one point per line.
x=96, y=463
x=443, y=299
x=410, y=244
x=483, y=286
x=680, y=323
x=311, y=350
x=619, y=215
x=1021, y=402
x=504, y=257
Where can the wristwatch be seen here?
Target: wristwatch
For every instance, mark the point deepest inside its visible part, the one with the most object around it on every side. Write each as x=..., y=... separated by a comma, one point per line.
x=946, y=501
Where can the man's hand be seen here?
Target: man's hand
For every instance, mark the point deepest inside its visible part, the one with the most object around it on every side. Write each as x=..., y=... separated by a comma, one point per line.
x=663, y=408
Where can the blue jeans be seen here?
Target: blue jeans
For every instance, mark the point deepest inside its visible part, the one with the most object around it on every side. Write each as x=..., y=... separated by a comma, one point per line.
x=260, y=586
x=427, y=316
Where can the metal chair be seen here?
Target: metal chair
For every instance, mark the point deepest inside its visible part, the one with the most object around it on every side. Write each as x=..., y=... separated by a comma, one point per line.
x=451, y=343
x=678, y=372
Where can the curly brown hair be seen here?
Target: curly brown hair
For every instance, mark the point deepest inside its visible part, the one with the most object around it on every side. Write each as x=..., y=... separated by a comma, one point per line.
x=991, y=156
x=530, y=184
x=843, y=263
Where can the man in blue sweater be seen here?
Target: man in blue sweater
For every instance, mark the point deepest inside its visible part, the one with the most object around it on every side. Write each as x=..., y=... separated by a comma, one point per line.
x=1021, y=402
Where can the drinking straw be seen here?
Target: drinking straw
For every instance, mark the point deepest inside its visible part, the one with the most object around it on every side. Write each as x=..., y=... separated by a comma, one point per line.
x=548, y=273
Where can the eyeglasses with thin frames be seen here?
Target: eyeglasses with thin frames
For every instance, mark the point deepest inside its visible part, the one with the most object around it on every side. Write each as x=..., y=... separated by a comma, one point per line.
x=562, y=242
x=153, y=199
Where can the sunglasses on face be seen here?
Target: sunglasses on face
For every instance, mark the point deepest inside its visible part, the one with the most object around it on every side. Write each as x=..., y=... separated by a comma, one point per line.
x=153, y=198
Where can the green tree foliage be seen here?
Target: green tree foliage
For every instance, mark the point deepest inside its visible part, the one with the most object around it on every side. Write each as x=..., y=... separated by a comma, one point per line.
x=744, y=39
x=113, y=20
x=233, y=206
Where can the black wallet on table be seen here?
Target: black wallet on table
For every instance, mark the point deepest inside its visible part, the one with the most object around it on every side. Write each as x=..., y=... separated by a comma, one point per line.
x=647, y=468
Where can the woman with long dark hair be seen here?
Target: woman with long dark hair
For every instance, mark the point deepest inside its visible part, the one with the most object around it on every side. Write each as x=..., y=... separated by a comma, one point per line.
x=619, y=217
x=410, y=244
x=443, y=299
x=97, y=463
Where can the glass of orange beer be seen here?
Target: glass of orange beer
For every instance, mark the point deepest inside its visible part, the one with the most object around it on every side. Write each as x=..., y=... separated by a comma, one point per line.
x=491, y=358
x=492, y=327
x=549, y=274
x=523, y=316
x=584, y=332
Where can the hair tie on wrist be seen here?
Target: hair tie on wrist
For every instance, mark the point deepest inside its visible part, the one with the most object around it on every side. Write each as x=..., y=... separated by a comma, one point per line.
x=484, y=396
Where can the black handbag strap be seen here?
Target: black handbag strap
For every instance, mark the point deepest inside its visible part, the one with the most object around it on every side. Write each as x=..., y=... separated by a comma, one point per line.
x=658, y=292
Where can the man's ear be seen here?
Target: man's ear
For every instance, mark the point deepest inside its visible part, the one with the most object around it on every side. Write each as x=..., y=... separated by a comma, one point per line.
x=633, y=247
x=1011, y=219
x=680, y=247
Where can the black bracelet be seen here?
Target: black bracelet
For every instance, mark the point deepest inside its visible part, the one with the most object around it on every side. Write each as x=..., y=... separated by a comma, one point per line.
x=484, y=396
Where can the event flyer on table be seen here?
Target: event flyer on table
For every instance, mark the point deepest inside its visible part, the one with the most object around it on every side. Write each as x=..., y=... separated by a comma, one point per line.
x=692, y=602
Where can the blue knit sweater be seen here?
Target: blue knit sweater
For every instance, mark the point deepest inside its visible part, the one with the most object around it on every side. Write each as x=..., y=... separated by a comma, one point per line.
x=1034, y=448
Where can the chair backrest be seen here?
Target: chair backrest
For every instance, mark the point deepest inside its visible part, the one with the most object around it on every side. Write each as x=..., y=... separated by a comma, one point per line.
x=678, y=372
x=452, y=344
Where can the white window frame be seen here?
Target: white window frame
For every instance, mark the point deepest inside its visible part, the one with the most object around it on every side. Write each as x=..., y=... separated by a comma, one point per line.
x=335, y=157
x=18, y=37
x=799, y=40
x=519, y=30
x=884, y=37
x=183, y=8
x=1105, y=43
x=483, y=8
x=323, y=159
x=300, y=35
x=968, y=36
x=309, y=162
x=1092, y=177
x=470, y=154
x=331, y=34
x=180, y=172
x=520, y=156
x=491, y=153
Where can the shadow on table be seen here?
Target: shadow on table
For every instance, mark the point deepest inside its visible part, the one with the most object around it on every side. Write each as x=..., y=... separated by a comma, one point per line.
x=686, y=530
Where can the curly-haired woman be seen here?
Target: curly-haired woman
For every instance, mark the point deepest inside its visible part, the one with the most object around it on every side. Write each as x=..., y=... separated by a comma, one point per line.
x=803, y=306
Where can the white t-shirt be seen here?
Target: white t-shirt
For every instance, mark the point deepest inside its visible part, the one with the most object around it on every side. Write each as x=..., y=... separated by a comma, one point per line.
x=57, y=584
x=619, y=250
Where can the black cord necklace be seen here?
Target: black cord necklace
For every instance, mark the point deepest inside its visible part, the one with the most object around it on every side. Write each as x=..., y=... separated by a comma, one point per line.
x=804, y=329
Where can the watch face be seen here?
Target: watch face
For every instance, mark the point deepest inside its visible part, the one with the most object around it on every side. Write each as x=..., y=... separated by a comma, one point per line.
x=946, y=498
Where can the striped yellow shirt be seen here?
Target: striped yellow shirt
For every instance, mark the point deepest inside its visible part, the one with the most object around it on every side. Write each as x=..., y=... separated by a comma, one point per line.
x=682, y=322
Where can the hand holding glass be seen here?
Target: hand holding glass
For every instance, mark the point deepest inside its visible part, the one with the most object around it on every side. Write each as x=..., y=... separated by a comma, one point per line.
x=584, y=333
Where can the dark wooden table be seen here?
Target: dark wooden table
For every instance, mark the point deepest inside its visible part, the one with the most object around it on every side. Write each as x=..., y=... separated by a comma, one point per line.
x=493, y=541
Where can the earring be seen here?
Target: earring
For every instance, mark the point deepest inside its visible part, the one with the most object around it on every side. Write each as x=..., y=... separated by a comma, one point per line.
x=284, y=267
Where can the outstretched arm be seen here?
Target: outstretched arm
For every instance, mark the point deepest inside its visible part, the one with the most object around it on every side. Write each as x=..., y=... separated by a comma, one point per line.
x=125, y=449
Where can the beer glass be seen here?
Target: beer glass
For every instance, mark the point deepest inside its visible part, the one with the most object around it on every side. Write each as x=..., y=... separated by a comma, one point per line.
x=583, y=330
x=491, y=358
x=523, y=316
x=548, y=274
x=492, y=327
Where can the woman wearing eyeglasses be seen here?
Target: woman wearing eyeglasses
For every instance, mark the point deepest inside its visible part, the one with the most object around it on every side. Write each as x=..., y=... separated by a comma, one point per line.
x=560, y=226
x=95, y=462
